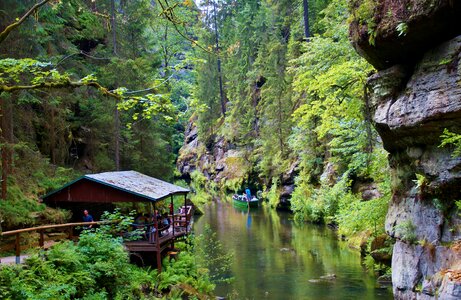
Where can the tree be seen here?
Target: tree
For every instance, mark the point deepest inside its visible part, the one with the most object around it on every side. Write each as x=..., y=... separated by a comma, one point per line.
x=306, y=19
x=28, y=75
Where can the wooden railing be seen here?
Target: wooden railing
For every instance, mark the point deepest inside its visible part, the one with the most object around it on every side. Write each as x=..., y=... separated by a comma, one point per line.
x=181, y=220
x=41, y=231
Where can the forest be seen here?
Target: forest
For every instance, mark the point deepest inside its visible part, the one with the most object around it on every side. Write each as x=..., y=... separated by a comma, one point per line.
x=342, y=113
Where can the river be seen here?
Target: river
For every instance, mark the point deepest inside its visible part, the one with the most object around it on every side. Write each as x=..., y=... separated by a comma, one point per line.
x=274, y=258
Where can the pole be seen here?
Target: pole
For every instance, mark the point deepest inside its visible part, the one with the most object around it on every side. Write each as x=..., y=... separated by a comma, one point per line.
x=41, y=242
x=159, y=258
x=185, y=211
x=221, y=89
x=17, y=248
x=172, y=220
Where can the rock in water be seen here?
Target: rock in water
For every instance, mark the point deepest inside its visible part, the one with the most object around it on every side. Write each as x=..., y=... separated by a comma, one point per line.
x=328, y=277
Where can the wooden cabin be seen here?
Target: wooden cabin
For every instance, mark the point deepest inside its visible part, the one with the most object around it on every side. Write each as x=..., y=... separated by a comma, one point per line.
x=99, y=192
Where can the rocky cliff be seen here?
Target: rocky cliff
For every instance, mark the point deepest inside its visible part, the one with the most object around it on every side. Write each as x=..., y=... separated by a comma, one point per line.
x=218, y=160
x=416, y=46
x=228, y=166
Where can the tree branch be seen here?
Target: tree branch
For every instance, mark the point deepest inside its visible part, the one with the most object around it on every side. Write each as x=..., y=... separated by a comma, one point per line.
x=4, y=34
x=62, y=84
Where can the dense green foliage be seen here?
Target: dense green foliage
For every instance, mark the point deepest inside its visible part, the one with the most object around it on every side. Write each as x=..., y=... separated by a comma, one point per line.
x=81, y=76
x=98, y=268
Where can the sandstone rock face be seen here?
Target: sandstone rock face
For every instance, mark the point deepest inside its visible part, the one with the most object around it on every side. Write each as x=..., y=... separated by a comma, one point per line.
x=224, y=163
x=411, y=105
x=390, y=32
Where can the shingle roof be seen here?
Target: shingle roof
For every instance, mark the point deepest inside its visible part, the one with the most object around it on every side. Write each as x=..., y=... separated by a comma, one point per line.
x=152, y=189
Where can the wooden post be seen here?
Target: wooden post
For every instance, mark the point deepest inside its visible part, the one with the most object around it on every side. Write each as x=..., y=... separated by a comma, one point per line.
x=70, y=233
x=17, y=248
x=185, y=212
x=172, y=219
x=41, y=242
x=157, y=241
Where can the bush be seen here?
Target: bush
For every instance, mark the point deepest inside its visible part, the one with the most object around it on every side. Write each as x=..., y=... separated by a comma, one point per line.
x=273, y=195
x=98, y=265
x=356, y=216
x=321, y=204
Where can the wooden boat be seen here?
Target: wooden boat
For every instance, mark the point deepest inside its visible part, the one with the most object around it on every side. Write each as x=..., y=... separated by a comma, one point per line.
x=242, y=201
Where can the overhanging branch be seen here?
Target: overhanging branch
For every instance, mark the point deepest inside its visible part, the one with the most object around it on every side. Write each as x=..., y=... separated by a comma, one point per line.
x=61, y=84
x=4, y=34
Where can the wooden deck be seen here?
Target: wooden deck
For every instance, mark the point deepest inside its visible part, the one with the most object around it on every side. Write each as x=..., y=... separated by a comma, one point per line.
x=146, y=246
x=182, y=225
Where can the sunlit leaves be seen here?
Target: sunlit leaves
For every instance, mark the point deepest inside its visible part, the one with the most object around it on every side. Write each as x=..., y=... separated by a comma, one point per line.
x=11, y=69
x=453, y=139
x=89, y=78
x=330, y=76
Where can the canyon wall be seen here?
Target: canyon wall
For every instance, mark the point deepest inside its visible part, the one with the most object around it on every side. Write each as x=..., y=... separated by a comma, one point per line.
x=415, y=45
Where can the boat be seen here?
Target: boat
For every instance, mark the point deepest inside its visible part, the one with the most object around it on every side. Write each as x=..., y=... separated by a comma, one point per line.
x=242, y=201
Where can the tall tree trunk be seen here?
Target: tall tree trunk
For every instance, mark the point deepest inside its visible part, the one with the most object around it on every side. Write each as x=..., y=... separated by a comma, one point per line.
x=3, y=149
x=280, y=120
x=306, y=19
x=117, y=138
x=6, y=139
x=117, y=112
x=113, y=25
x=221, y=89
x=166, y=53
x=52, y=132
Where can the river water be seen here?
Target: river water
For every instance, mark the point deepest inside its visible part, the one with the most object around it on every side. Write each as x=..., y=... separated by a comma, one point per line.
x=274, y=258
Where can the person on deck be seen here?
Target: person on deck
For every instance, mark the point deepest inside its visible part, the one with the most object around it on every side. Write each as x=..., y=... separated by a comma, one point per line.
x=248, y=194
x=165, y=224
x=171, y=206
x=87, y=218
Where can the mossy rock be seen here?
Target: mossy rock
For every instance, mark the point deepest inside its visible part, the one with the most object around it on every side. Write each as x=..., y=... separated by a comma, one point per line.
x=381, y=249
x=398, y=32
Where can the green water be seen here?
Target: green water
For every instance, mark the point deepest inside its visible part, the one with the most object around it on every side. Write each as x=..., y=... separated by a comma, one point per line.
x=277, y=259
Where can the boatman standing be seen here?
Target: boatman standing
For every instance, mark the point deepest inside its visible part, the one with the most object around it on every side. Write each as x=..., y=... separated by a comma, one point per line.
x=247, y=191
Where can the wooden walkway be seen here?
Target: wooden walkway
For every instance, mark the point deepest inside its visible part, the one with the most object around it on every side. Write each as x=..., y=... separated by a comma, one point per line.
x=182, y=224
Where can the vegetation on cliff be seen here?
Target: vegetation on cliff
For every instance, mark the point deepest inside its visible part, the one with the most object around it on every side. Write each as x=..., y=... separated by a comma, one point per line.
x=294, y=109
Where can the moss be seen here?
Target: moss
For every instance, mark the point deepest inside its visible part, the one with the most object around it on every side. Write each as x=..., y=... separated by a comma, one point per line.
x=406, y=231
x=388, y=18
x=237, y=167
x=364, y=13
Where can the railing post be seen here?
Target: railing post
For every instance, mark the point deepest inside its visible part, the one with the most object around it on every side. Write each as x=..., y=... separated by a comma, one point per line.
x=41, y=242
x=185, y=212
x=172, y=220
x=17, y=248
x=70, y=233
x=157, y=242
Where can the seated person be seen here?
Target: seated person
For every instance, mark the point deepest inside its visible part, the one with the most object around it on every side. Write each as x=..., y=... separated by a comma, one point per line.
x=165, y=224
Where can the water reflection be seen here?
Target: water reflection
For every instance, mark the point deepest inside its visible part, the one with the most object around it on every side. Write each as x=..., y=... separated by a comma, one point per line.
x=276, y=259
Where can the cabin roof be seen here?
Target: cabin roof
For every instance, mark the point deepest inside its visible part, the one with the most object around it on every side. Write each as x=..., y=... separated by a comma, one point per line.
x=132, y=182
